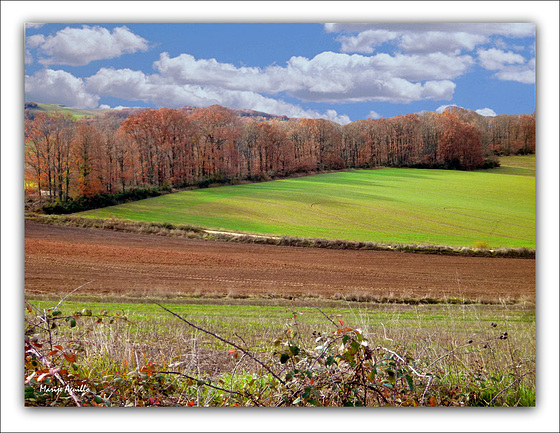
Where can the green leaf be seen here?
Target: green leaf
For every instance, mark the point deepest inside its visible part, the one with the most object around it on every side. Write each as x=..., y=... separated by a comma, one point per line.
x=410, y=382
x=72, y=322
x=86, y=312
x=56, y=312
x=29, y=392
x=284, y=358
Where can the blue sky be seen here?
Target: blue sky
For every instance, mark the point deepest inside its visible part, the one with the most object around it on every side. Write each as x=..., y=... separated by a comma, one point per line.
x=342, y=72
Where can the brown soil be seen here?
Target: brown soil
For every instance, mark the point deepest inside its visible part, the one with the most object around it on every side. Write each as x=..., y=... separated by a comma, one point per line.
x=58, y=259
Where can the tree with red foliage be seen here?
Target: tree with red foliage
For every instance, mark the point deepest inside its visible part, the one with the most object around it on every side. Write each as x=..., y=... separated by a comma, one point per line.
x=88, y=157
x=459, y=144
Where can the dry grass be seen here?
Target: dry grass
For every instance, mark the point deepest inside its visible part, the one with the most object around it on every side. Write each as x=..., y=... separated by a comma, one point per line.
x=464, y=345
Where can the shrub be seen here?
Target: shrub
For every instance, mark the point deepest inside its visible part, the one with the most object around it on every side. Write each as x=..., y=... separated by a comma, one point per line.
x=337, y=367
x=83, y=203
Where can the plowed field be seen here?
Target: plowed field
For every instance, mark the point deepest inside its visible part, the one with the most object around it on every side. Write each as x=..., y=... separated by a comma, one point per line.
x=59, y=259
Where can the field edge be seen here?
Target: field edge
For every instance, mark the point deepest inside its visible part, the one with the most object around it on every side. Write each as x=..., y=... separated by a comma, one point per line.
x=189, y=231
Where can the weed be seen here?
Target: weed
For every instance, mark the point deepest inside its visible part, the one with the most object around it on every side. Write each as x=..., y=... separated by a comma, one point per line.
x=431, y=355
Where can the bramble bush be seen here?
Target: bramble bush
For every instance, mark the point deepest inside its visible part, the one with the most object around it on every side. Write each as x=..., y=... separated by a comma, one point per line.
x=341, y=367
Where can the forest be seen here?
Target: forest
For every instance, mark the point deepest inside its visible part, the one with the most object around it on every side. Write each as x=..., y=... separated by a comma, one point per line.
x=68, y=157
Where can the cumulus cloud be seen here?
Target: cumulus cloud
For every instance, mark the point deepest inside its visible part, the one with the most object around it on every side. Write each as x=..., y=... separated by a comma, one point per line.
x=34, y=41
x=58, y=87
x=160, y=90
x=365, y=41
x=80, y=46
x=424, y=37
x=525, y=75
x=486, y=29
x=510, y=66
x=373, y=115
x=34, y=25
x=328, y=77
x=486, y=112
x=428, y=42
x=496, y=59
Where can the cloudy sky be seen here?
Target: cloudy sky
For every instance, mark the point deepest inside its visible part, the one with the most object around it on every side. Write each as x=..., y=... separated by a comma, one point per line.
x=342, y=72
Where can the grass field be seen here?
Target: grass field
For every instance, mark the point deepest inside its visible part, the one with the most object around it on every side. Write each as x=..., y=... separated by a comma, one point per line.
x=494, y=208
x=521, y=165
x=77, y=113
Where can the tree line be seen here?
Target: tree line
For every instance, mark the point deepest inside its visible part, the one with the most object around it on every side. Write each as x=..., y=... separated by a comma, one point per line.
x=167, y=148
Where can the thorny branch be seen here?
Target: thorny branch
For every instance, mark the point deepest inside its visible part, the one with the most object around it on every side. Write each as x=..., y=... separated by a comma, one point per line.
x=258, y=361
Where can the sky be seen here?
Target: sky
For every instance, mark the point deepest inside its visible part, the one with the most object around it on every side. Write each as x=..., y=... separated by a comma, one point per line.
x=338, y=71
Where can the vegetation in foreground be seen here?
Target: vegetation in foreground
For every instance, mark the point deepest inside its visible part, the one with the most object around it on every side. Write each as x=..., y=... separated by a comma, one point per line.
x=94, y=354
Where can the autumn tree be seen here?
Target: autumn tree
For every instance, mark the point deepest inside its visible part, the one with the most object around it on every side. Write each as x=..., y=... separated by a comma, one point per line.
x=459, y=144
x=216, y=135
x=48, y=140
x=88, y=156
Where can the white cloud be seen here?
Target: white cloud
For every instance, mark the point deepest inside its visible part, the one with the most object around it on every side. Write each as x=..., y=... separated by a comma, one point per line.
x=523, y=75
x=365, y=41
x=135, y=85
x=120, y=83
x=34, y=25
x=510, y=66
x=58, y=87
x=34, y=41
x=496, y=59
x=452, y=43
x=327, y=77
x=373, y=115
x=424, y=37
x=486, y=112
x=77, y=47
x=28, y=57
x=442, y=108
x=485, y=29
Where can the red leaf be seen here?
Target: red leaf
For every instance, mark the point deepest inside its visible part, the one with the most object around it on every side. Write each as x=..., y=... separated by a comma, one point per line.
x=70, y=357
x=58, y=347
x=433, y=401
x=341, y=321
x=52, y=352
x=191, y=403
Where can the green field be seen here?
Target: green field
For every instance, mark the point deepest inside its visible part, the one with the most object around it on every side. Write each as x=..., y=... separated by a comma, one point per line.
x=494, y=208
x=77, y=113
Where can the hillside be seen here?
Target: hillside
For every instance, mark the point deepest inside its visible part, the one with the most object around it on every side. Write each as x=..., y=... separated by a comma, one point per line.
x=33, y=108
x=408, y=206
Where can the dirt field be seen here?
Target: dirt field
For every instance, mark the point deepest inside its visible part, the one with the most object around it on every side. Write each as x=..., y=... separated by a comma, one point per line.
x=59, y=259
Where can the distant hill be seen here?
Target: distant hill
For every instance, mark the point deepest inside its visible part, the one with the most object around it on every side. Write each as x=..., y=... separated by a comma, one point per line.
x=32, y=108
